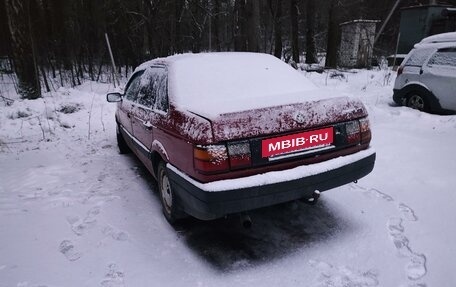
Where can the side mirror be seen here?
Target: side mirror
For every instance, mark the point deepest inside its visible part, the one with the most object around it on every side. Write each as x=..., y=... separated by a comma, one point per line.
x=114, y=97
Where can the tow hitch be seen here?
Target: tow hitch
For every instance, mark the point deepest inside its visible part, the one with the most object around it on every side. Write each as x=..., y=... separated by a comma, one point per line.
x=246, y=221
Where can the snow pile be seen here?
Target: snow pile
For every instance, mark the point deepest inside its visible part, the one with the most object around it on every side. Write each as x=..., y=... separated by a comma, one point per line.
x=65, y=115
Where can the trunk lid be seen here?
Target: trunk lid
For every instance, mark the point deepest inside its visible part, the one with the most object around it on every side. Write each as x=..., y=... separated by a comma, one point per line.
x=287, y=118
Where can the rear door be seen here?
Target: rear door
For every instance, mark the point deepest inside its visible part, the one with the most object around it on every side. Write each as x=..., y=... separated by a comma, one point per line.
x=125, y=106
x=440, y=76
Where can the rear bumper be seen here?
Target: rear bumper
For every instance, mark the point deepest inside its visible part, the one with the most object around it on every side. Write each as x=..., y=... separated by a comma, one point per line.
x=216, y=199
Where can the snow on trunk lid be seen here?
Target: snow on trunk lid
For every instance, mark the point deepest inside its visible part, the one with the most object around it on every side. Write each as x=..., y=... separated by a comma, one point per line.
x=276, y=120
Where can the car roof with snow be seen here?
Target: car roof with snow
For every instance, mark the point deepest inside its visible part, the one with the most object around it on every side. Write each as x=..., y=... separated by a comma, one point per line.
x=440, y=38
x=437, y=41
x=212, y=84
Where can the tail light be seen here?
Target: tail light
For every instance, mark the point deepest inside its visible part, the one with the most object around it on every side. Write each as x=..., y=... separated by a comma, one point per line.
x=210, y=159
x=352, y=130
x=239, y=154
x=365, y=130
x=400, y=70
x=358, y=131
x=218, y=158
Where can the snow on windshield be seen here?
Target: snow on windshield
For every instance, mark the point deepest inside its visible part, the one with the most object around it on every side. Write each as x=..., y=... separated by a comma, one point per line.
x=218, y=83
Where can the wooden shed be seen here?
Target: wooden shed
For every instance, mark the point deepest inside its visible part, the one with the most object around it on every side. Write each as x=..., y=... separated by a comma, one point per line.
x=357, y=43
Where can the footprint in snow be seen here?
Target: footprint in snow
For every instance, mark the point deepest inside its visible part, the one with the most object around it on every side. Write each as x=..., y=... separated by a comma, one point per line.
x=343, y=275
x=381, y=195
x=415, y=285
x=407, y=212
x=79, y=226
x=102, y=176
x=373, y=192
x=416, y=266
x=26, y=284
x=114, y=277
x=115, y=234
x=67, y=248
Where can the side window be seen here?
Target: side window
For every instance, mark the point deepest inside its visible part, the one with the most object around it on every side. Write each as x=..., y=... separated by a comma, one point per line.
x=146, y=96
x=153, y=91
x=444, y=57
x=161, y=102
x=419, y=56
x=133, y=87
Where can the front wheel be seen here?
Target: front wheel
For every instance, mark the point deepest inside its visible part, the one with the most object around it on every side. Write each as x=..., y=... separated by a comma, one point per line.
x=168, y=198
x=418, y=102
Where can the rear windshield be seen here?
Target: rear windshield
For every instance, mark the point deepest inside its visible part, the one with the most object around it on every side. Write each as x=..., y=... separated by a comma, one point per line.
x=419, y=56
x=218, y=83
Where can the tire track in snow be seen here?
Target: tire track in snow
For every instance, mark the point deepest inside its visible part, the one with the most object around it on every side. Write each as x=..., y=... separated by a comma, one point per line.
x=416, y=266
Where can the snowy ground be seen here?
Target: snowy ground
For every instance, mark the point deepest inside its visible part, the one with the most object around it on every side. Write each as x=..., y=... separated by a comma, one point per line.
x=73, y=212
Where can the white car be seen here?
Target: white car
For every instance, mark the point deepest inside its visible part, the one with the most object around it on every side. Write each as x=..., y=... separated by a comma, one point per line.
x=426, y=79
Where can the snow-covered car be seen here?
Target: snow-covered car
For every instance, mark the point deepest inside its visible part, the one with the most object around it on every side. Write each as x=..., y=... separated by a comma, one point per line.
x=224, y=133
x=426, y=79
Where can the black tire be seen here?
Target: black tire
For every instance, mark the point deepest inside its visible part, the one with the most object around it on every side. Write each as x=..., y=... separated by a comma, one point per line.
x=123, y=147
x=418, y=101
x=168, y=198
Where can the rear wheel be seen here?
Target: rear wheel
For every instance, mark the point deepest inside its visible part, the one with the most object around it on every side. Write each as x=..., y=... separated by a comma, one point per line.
x=168, y=198
x=123, y=147
x=418, y=101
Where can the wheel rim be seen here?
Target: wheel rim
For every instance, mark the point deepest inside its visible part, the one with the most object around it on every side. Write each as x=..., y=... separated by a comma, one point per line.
x=416, y=102
x=166, y=194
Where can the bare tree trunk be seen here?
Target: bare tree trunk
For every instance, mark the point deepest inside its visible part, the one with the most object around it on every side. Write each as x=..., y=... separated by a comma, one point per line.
x=216, y=25
x=240, y=43
x=24, y=61
x=311, y=54
x=294, y=30
x=179, y=6
x=333, y=28
x=276, y=10
x=253, y=25
x=46, y=84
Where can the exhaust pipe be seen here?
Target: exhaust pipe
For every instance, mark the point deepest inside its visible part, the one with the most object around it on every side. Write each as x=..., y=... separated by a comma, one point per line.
x=246, y=221
x=313, y=199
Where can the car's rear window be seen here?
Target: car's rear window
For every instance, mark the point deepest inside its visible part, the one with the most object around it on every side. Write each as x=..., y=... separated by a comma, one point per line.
x=419, y=56
x=217, y=83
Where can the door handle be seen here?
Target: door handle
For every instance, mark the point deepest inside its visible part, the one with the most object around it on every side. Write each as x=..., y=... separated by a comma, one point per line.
x=147, y=125
x=421, y=71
